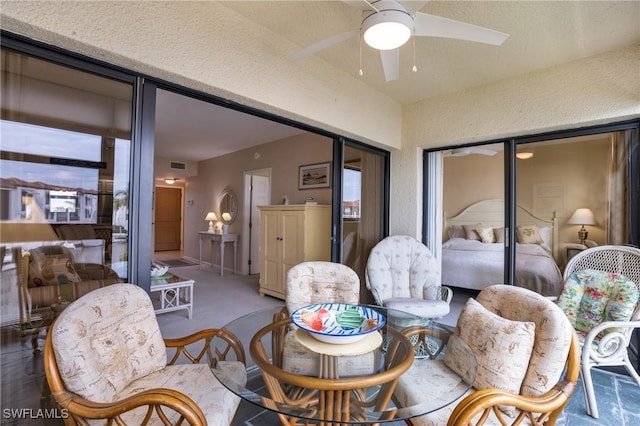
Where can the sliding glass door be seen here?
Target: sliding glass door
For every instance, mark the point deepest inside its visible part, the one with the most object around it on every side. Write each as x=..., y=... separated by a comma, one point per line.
x=562, y=192
x=364, y=205
x=473, y=231
x=64, y=192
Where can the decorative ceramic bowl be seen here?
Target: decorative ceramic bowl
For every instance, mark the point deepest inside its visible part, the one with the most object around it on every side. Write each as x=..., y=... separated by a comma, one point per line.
x=159, y=270
x=338, y=323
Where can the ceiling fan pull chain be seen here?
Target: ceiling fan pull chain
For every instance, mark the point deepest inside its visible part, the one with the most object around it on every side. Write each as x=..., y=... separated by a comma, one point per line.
x=415, y=68
x=360, y=71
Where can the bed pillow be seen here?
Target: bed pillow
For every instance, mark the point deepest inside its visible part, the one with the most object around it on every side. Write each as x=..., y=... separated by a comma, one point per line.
x=502, y=348
x=456, y=231
x=470, y=231
x=486, y=234
x=546, y=234
x=499, y=233
x=528, y=234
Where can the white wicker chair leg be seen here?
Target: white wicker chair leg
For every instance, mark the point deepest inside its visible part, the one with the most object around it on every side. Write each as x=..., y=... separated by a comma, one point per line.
x=589, y=394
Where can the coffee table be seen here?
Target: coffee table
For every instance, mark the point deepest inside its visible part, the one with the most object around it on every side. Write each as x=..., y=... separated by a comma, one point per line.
x=176, y=293
x=364, y=398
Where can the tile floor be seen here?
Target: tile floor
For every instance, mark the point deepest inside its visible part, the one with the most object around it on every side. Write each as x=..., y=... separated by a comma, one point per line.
x=23, y=388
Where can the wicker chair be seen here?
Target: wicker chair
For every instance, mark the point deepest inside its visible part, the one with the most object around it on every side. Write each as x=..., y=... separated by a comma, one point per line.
x=525, y=373
x=105, y=360
x=320, y=282
x=402, y=274
x=606, y=342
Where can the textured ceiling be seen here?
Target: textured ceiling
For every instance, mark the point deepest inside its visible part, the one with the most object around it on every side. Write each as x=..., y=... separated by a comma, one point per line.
x=543, y=34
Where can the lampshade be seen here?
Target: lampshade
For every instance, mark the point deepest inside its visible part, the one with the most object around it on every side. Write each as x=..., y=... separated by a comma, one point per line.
x=387, y=29
x=226, y=216
x=583, y=216
x=211, y=216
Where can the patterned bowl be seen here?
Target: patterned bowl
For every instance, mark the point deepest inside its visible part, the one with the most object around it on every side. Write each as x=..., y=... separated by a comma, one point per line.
x=337, y=323
x=159, y=270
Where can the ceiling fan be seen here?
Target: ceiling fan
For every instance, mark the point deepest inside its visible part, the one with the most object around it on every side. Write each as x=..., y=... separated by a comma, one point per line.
x=469, y=150
x=388, y=24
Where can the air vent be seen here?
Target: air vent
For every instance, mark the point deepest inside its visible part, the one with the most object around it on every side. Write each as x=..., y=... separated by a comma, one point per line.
x=177, y=166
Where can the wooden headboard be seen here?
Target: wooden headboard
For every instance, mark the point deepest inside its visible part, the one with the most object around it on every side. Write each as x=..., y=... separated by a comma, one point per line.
x=491, y=213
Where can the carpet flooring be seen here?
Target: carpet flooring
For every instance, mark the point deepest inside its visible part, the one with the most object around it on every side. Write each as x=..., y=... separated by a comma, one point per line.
x=174, y=263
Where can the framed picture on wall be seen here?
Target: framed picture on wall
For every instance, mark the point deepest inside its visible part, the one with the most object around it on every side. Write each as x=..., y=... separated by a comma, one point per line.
x=312, y=176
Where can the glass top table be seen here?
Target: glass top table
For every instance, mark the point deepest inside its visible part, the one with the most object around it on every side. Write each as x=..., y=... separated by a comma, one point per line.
x=336, y=389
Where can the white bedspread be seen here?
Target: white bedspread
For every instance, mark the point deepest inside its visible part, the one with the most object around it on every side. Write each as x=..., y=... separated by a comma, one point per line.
x=476, y=265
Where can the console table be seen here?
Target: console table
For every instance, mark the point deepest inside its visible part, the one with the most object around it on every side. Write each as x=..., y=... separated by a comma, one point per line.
x=221, y=239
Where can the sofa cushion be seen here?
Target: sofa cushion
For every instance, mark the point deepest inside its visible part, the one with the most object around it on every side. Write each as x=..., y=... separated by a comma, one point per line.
x=198, y=383
x=51, y=265
x=420, y=307
x=590, y=297
x=547, y=360
x=117, y=342
x=502, y=347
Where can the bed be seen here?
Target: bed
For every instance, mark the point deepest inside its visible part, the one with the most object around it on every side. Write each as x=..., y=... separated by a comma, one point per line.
x=473, y=252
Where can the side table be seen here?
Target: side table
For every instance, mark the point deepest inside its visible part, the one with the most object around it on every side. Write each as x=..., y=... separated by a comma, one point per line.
x=175, y=293
x=221, y=239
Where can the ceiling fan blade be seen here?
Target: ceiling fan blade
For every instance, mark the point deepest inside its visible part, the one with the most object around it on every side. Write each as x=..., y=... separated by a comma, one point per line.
x=391, y=64
x=464, y=151
x=437, y=26
x=359, y=4
x=323, y=44
x=482, y=151
x=414, y=6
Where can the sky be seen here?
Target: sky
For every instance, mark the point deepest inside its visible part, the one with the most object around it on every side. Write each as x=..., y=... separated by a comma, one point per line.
x=49, y=142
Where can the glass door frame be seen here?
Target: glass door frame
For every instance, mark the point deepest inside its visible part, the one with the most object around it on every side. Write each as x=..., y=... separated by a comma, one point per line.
x=432, y=184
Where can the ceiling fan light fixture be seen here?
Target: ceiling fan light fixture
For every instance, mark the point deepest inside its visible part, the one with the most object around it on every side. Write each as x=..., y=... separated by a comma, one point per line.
x=388, y=29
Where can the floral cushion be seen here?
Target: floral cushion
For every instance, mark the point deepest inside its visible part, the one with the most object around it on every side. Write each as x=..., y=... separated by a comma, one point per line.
x=590, y=297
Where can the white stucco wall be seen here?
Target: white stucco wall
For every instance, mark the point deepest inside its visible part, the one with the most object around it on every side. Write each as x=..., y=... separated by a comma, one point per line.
x=206, y=46
x=596, y=90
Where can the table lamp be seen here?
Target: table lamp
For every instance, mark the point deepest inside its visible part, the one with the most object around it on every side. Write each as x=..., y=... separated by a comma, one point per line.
x=211, y=216
x=226, y=218
x=582, y=216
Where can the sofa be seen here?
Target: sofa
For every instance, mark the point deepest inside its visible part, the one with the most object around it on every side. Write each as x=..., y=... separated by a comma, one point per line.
x=49, y=275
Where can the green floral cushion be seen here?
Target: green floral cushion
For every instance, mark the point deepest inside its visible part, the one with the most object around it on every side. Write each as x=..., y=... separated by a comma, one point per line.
x=590, y=297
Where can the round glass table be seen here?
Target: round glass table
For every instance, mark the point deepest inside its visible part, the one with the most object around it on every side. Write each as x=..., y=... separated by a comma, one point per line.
x=297, y=377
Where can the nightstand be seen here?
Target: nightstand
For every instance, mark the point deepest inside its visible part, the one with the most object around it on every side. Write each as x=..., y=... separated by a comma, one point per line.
x=572, y=251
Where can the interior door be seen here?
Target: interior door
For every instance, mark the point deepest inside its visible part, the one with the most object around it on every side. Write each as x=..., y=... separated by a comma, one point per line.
x=260, y=195
x=168, y=219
